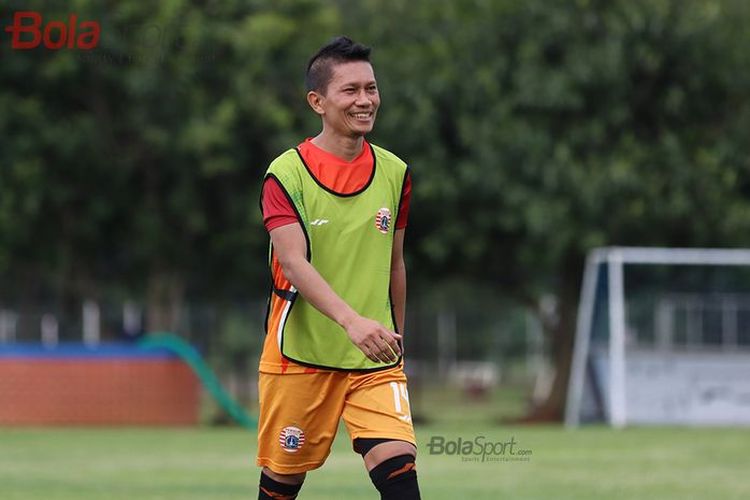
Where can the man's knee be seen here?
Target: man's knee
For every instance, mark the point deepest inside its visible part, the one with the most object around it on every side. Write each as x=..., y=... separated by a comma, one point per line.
x=285, y=478
x=396, y=478
x=392, y=468
x=277, y=486
x=377, y=451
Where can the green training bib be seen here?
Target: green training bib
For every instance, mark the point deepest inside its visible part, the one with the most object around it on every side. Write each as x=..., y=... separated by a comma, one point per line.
x=349, y=242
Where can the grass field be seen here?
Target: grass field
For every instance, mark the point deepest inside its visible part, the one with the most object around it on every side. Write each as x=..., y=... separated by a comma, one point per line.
x=208, y=463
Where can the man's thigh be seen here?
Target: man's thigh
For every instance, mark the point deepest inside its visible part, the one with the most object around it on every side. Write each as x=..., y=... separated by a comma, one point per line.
x=377, y=406
x=299, y=415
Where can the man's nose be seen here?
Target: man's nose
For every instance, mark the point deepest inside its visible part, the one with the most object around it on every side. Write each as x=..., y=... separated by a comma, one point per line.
x=363, y=99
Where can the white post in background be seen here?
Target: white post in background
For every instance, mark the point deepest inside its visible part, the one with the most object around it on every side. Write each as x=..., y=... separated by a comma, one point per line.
x=534, y=345
x=8, y=322
x=132, y=320
x=694, y=323
x=50, y=330
x=617, y=416
x=91, y=325
x=729, y=314
x=446, y=330
x=668, y=334
x=584, y=322
x=664, y=322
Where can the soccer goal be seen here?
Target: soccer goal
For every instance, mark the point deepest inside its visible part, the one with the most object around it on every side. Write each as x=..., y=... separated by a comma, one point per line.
x=663, y=337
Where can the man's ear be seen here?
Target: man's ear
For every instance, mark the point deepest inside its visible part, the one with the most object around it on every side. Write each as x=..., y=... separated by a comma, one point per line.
x=315, y=101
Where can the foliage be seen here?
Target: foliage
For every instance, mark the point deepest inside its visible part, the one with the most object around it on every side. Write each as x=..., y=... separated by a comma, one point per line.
x=539, y=130
x=142, y=157
x=536, y=130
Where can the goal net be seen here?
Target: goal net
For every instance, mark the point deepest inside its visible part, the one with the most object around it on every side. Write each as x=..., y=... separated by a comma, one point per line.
x=663, y=337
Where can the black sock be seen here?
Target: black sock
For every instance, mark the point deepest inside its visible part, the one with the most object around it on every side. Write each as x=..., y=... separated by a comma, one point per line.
x=396, y=478
x=272, y=489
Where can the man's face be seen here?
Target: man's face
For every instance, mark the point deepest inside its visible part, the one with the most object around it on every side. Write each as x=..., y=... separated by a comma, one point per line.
x=351, y=100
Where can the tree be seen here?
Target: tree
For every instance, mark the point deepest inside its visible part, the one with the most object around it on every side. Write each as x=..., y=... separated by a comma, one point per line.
x=140, y=161
x=536, y=130
x=539, y=130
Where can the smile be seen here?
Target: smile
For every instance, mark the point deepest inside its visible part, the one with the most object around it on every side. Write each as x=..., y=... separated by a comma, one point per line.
x=362, y=116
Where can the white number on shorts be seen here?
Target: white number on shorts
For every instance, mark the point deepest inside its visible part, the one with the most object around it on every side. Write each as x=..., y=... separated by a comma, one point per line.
x=400, y=393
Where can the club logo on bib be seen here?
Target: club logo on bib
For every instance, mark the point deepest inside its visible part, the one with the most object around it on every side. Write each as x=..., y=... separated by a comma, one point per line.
x=291, y=439
x=383, y=220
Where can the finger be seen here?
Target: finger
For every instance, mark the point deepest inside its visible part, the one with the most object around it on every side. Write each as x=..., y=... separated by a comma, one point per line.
x=391, y=338
x=370, y=353
x=396, y=348
x=391, y=349
x=395, y=337
x=386, y=355
x=392, y=355
x=381, y=351
x=392, y=341
x=388, y=351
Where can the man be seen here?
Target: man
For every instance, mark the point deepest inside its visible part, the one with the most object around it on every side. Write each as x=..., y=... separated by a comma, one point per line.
x=336, y=310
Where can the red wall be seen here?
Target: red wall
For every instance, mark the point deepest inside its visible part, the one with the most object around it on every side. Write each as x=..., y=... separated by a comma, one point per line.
x=98, y=392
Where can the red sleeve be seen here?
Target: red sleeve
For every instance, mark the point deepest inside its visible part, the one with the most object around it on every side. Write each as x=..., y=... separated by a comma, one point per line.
x=403, y=211
x=277, y=210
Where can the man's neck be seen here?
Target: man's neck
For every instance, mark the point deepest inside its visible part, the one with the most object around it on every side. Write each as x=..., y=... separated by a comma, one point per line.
x=346, y=148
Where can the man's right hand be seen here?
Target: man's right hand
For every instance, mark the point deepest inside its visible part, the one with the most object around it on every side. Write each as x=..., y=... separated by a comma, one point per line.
x=376, y=341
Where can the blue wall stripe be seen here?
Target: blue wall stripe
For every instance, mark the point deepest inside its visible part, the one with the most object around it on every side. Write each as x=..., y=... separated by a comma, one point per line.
x=71, y=350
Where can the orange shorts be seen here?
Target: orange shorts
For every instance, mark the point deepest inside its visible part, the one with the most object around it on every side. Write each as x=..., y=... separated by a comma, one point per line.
x=300, y=413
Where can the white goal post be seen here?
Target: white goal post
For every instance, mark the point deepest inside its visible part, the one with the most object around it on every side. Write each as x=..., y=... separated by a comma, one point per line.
x=622, y=384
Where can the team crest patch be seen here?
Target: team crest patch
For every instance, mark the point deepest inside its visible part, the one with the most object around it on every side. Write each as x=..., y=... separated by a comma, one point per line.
x=291, y=439
x=383, y=220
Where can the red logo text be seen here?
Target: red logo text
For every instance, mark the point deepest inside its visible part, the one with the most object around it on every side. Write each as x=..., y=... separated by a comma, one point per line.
x=54, y=35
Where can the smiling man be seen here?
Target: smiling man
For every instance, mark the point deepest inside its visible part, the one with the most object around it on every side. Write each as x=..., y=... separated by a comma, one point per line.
x=336, y=208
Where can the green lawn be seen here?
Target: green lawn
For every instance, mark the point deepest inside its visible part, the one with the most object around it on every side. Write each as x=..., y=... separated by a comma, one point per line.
x=206, y=463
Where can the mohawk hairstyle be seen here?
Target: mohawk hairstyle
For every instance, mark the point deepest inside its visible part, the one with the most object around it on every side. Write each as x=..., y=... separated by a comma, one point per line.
x=339, y=50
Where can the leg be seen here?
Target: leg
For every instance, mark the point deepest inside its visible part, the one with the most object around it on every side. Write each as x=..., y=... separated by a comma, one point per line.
x=392, y=469
x=378, y=418
x=285, y=478
x=382, y=451
x=279, y=486
x=296, y=427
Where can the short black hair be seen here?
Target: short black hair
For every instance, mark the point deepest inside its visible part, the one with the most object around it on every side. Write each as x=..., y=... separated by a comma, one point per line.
x=338, y=50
